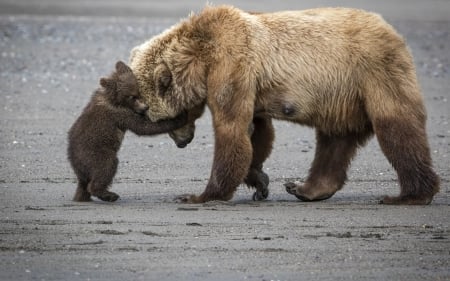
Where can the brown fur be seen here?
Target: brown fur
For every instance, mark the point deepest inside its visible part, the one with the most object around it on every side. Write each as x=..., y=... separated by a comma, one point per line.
x=96, y=136
x=345, y=72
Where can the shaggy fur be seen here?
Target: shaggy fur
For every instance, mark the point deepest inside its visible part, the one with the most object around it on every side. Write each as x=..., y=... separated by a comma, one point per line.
x=345, y=72
x=96, y=136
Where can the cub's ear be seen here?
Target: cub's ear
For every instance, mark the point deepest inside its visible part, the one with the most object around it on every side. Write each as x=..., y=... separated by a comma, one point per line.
x=163, y=78
x=108, y=83
x=121, y=67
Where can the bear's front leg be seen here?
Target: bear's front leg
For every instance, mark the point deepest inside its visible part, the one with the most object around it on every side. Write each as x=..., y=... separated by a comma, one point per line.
x=232, y=158
x=231, y=100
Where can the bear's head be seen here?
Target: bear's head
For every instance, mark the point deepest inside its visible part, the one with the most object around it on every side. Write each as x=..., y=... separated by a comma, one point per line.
x=122, y=89
x=171, y=73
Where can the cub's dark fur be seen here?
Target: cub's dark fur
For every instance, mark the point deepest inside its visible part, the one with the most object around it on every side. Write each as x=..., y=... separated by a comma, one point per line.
x=96, y=136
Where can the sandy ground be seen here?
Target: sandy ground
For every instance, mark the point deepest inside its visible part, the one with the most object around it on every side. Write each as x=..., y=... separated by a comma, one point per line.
x=52, y=54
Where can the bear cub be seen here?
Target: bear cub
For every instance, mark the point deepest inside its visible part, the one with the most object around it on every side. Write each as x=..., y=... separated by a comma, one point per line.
x=96, y=136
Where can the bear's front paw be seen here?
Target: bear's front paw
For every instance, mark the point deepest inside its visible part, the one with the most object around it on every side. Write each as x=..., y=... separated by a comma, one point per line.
x=187, y=198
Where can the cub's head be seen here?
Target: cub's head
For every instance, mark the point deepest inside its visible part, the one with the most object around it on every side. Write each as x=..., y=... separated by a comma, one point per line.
x=122, y=89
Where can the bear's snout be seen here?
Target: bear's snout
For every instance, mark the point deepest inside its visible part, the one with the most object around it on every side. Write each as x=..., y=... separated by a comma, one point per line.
x=183, y=136
x=183, y=143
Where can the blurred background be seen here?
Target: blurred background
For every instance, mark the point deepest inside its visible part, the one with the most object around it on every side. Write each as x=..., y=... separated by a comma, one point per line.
x=399, y=9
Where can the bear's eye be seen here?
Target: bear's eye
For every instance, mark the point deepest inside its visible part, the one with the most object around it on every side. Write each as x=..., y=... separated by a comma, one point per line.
x=132, y=97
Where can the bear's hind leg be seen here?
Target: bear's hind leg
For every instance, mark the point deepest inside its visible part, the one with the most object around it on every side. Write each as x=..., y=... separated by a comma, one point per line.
x=328, y=172
x=259, y=180
x=102, y=179
x=405, y=144
x=262, y=139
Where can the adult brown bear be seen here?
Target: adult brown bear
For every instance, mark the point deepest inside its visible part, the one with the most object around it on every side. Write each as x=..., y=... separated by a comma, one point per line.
x=345, y=72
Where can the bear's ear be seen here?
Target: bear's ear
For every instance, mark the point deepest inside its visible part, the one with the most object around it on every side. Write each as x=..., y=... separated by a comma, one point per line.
x=163, y=78
x=108, y=83
x=121, y=67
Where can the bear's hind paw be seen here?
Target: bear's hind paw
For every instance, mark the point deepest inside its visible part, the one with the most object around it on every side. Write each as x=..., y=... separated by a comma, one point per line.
x=406, y=200
x=294, y=189
x=187, y=199
x=260, y=194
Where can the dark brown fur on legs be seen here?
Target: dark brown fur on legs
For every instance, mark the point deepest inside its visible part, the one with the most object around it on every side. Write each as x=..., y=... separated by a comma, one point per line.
x=102, y=178
x=405, y=145
x=81, y=194
x=96, y=136
x=329, y=168
x=262, y=139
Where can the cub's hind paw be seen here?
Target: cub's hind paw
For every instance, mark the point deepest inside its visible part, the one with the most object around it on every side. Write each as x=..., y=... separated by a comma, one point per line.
x=108, y=196
x=82, y=196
